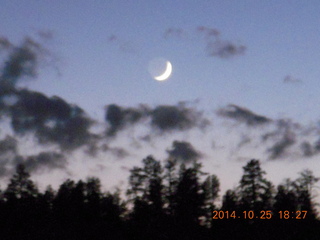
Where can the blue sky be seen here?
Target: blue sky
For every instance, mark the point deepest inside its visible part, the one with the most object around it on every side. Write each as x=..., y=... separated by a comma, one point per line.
x=100, y=52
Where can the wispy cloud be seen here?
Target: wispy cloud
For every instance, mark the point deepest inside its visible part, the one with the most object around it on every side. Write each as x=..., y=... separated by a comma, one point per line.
x=214, y=45
x=242, y=115
x=290, y=79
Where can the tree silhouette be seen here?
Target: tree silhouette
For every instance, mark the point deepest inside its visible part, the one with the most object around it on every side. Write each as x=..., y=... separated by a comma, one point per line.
x=255, y=190
x=21, y=186
x=189, y=196
x=211, y=188
x=21, y=204
x=164, y=204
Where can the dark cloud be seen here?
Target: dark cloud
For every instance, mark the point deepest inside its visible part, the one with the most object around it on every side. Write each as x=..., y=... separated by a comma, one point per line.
x=23, y=61
x=163, y=118
x=52, y=120
x=224, y=49
x=119, y=117
x=9, y=158
x=5, y=43
x=43, y=161
x=183, y=151
x=179, y=117
x=243, y=115
x=291, y=79
x=8, y=150
x=283, y=138
x=8, y=145
x=279, y=148
x=307, y=149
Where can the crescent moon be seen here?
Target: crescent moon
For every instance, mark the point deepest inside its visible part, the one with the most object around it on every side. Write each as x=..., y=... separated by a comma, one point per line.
x=166, y=73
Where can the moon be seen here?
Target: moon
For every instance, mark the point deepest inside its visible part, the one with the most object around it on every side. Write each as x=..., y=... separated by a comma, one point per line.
x=166, y=74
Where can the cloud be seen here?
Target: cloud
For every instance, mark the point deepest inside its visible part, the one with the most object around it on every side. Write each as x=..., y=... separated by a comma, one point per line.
x=284, y=137
x=46, y=34
x=243, y=115
x=215, y=46
x=307, y=149
x=120, y=118
x=244, y=141
x=179, y=117
x=163, y=118
x=52, y=120
x=42, y=161
x=174, y=33
x=224, y=49
x=121, y=44
x=8, y=150
x=8, y=145
x=208, y=33
x=183, y=151
x=5, y=43
x=23, y=61
x=118, y=152
x=10, y=157
x=279, y=148
x=290, y=79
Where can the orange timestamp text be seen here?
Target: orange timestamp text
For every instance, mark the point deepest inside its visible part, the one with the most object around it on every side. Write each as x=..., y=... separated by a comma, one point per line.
x=264, y=214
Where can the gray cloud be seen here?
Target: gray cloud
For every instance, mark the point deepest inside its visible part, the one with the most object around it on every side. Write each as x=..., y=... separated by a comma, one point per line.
x=5, y=43
x=43, y=161
x=244, y=141
x=307, y=149
x=174, y=33
x=163, y=118
x=217, y=47
x=283, y=138
x=52, y=120
x=8, y=145
x=243, y=115
x=8, y=150
x=179, y=117
x=46, y=34
x=120, y=118
x=9, y=158
x=279, y=148
x=121, y=44
x=291, y=79
x=224, y=49
x=214, y=45
x=23, y=61
x=183, y=151
x=118, y=152
x=208, y=33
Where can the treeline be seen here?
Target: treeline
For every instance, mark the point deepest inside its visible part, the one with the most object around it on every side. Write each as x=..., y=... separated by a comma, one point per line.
x=164, y=201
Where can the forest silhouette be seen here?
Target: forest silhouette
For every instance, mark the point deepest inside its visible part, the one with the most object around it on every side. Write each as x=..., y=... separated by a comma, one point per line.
x=164, y=200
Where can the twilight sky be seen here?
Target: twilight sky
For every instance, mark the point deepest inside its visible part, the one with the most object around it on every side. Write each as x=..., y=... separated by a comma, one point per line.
x=77, y=99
